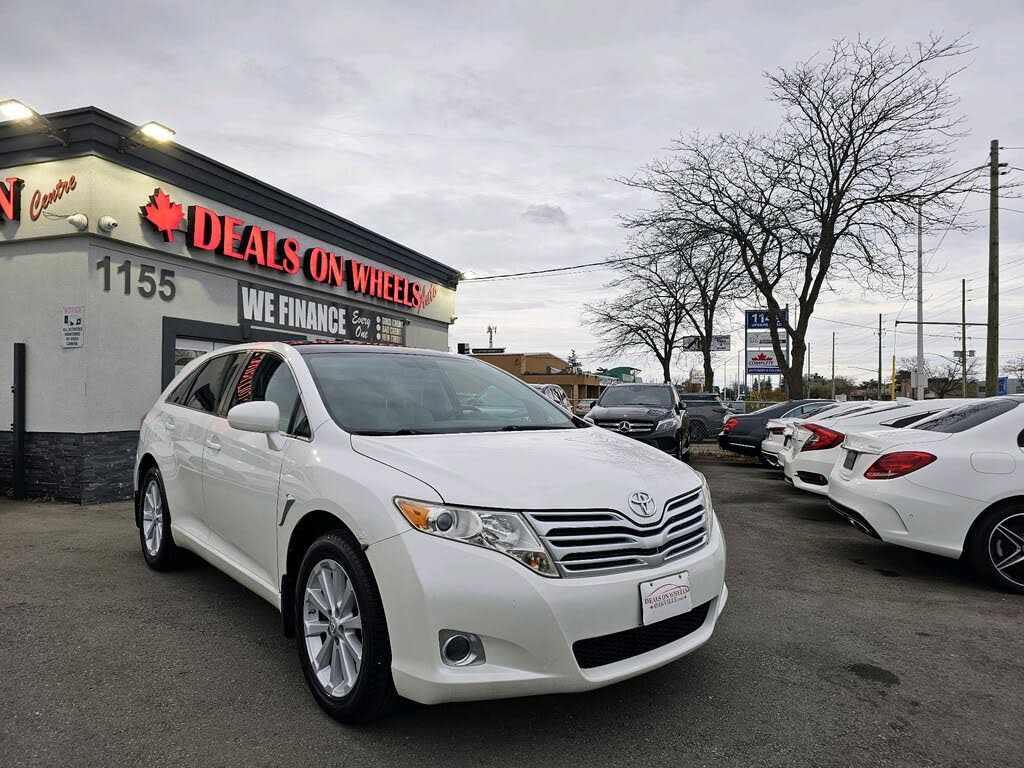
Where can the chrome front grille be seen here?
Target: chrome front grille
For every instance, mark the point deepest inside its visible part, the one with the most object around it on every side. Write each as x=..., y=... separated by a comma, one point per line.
x=599, y=541
x=632, y=427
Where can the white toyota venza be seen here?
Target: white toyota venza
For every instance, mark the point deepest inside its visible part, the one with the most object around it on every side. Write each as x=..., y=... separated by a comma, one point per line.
x=428, y=525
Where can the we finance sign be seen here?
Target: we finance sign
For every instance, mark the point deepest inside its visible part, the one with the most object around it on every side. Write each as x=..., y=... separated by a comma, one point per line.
x=305, y=315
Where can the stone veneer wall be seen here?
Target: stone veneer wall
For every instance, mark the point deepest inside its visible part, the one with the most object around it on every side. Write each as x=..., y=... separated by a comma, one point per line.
x=84, y=467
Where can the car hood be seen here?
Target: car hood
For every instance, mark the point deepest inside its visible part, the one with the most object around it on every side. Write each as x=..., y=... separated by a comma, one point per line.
x=588, y=468
x=630, y=412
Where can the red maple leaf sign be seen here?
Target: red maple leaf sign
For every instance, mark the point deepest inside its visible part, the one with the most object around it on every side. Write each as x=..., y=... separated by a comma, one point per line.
x=163, y=214
x=762, y=358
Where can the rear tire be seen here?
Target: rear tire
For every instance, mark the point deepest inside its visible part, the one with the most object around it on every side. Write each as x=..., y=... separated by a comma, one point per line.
x=341, y=632
x=154, y=516
x=996, y=549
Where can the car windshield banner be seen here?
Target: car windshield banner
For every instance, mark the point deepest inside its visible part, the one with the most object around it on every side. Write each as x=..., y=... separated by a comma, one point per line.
x=265, y=307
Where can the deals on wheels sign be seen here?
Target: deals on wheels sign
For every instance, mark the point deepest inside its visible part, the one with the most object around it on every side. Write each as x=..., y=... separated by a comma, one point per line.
x=762, y=362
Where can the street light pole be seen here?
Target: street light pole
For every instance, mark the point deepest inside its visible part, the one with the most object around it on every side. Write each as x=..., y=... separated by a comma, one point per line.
x=879, y=355
x=833, y=365
x=919, y=394
x=963, y=332
x=992, y=346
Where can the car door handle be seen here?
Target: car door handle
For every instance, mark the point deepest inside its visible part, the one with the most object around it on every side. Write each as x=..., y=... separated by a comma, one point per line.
x=213, y=443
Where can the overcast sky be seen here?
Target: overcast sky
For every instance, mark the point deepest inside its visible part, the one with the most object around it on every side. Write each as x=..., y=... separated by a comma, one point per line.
x=487, y=138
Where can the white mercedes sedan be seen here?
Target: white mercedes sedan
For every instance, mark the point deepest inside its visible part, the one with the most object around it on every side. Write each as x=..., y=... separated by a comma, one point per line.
x=816, y=444
x=952, y=485
x=428, y=525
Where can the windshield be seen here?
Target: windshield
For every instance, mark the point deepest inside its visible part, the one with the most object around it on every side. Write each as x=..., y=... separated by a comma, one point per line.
x=660, y=397
x=371, y=393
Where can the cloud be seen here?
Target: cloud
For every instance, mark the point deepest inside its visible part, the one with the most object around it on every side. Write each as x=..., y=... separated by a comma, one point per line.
x=541, y=213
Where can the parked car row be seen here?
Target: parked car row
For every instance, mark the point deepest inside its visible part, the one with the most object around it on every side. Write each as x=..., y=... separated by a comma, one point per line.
x=942, y=476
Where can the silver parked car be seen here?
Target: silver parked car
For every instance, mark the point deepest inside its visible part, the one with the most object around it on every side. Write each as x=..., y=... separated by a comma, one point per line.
x=555, y=394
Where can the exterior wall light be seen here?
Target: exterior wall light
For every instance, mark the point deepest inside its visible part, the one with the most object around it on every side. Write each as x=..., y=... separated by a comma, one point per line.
x=151, y=133
x=14, y=111
x=468, y=275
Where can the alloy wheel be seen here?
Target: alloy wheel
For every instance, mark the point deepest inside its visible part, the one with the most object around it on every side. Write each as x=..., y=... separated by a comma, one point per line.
x=333, y=628
x=1006, y=548
x=153, y=518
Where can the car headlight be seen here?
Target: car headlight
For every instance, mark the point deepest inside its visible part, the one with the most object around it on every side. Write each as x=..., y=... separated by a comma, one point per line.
x=505, y=532
x=667, y=423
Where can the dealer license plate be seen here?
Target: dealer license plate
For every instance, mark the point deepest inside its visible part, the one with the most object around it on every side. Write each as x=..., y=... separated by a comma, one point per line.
x=665, y=597
x=850, y=460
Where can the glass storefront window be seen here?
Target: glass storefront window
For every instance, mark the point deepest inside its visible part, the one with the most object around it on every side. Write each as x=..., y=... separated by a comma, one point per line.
x=186, y=350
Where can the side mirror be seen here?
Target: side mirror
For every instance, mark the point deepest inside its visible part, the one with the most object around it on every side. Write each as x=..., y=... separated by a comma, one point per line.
x=680, y=408
x=261, y=416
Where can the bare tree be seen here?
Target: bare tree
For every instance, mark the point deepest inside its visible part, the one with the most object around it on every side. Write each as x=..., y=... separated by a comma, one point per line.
x=710, y=270
x=648, y=318
x=945, y=374
x=865, y=144
x=1015, y=367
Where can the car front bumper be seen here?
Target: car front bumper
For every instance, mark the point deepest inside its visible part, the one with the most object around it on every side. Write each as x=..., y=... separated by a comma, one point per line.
x=528, y=623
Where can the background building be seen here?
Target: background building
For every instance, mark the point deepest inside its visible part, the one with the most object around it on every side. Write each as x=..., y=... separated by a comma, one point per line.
x=121, y=261
x=545, y=368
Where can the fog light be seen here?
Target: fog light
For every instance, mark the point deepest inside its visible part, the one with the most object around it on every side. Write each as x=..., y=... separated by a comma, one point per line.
x=460, y=649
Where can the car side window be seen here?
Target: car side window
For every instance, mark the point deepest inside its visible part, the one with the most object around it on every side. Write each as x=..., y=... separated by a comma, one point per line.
x=181, y=391
x=267, y=378
x=210, y=381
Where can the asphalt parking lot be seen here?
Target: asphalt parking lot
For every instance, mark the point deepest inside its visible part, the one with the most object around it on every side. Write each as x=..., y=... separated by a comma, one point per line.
x=834, y=650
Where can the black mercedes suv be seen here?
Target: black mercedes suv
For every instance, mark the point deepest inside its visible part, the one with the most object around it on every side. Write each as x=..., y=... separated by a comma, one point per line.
x=651, y=413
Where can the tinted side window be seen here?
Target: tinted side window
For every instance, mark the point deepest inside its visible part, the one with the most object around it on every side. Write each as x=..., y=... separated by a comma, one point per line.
x=967, y=416
x=210, y=381
x=267, y=378
x=181, y=391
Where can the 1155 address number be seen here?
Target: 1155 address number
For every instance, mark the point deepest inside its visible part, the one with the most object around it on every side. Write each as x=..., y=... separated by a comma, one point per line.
x=147, y=284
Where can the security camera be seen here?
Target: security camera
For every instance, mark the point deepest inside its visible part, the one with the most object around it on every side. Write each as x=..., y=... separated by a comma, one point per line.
x=108, y=223
x=79, y=221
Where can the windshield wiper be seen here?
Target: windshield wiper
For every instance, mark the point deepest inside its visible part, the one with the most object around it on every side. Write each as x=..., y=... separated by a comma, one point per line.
x=387, y=432
x=528, y=428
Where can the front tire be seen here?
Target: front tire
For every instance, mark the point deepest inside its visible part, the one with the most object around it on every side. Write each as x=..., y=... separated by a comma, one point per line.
x=158, y=547
x=341, y=632
x=997, y=548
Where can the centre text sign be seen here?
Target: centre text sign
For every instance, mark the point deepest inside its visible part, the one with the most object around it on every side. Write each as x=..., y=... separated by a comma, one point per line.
x=274, y=308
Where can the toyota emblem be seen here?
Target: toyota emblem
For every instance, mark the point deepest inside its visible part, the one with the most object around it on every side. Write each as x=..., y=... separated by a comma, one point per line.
x=642, y=504
x=623, y=427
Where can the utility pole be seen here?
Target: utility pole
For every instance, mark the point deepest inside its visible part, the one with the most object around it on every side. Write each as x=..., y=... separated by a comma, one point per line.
x=833, y=365
x=879, y=355
x=963, y=332
x=992, y=347
x=921, y=383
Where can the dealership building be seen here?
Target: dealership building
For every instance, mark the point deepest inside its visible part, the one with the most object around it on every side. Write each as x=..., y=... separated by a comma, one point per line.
x=123, y=257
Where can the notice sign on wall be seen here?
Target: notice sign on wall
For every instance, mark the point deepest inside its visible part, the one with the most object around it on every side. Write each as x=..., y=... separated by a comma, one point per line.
x=266, y=307
x=72, y=327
